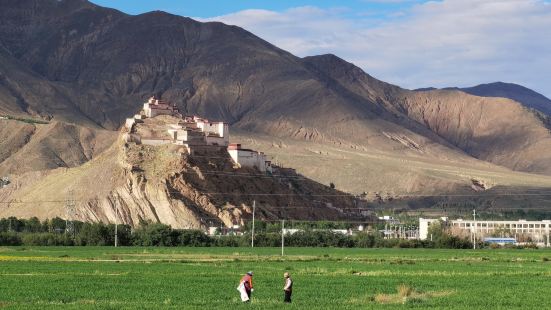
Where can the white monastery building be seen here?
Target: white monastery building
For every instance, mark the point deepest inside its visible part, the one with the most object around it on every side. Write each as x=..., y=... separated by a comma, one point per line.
x=154, y=107
x=249, y=158
x=192, y=132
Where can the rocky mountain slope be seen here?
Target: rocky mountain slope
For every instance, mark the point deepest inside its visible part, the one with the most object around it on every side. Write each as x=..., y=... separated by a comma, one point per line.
x=498, y=130
x=102, y=63
x=28, y=147
x=86, y=68
x=518, y=93
x=163, y=184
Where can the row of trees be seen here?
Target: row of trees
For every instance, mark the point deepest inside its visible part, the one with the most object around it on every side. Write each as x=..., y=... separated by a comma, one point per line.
x=56, y=232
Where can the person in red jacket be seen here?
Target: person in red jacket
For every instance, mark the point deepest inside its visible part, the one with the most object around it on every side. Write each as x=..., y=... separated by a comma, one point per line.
x=247, y=282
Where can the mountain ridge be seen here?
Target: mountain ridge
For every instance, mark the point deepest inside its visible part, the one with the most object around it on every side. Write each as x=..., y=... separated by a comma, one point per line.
x=81, y=64
x=521, y=94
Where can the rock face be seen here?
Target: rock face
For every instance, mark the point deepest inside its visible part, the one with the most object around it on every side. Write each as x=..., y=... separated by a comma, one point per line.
x=163, y=184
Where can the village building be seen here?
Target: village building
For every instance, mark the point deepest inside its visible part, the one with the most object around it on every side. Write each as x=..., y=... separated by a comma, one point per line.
x=249, y=158
x=521, y=230
x=192, y=132
x=154, y=107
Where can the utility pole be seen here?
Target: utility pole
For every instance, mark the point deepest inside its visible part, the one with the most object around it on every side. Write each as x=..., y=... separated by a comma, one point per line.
x=252, y=234
x=282, y=236
x=69, y=212
x=116, y=224
x=474, y=229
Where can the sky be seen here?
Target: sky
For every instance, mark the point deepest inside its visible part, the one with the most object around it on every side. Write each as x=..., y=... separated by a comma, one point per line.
x=410, y=43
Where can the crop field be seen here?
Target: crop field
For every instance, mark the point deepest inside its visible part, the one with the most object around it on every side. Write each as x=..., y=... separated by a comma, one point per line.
x=324, y=278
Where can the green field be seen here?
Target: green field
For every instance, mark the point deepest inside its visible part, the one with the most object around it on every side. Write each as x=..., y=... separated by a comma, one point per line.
x=325, y=278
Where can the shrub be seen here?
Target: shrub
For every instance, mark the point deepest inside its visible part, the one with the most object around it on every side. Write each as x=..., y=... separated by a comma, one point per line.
x=364, y=240
x=154, y=234
x=9, y=239
x=191, y=238
x=43, y=239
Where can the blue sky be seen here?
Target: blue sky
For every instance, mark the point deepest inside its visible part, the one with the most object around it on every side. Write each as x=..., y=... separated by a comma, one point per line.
x=210, y=8
x=411, y=43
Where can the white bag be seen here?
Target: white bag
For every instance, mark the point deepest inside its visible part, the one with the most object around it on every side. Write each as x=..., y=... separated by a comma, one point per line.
x=243, y=292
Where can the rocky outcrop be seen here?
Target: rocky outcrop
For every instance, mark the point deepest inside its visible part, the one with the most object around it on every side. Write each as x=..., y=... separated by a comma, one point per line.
x=131, y=183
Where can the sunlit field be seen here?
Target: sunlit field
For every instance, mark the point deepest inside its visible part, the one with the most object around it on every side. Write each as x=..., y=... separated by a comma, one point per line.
x=325, y=278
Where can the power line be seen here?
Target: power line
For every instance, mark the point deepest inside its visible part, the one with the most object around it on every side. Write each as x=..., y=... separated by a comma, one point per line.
x=305, y=195
x=300, y=221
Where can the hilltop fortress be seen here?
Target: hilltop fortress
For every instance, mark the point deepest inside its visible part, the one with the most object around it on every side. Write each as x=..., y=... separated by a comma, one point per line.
x=161, y=122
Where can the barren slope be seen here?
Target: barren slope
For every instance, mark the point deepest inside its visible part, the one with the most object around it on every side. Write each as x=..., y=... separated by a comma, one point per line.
x=162, y=184
x=106, y=62
x=397, y=182
x=77, y=62
x=518, y=93
x=32, y=147
x=497, y=130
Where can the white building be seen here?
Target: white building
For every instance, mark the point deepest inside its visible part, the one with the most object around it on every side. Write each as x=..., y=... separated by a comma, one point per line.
x=218, y=133
x=154, y=107
x=181, y=134
x=249, y=158
x=389, y=219
x=536, y=231
x=424, y=225
x=194, y=133
x=129, y=123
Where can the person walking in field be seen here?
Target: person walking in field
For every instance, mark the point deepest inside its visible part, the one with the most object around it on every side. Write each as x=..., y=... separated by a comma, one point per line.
x=288, y=287
x=245, y=287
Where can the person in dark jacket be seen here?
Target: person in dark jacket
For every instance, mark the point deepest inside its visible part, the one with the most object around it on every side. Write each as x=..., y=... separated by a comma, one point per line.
x=288, y=287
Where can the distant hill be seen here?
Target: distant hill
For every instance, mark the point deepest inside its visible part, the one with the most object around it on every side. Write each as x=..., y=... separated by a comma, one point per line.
x=514, y=92
x=518, y=93
x=481, y=127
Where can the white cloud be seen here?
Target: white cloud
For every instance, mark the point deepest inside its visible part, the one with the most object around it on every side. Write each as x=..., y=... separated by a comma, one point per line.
x=446, y=43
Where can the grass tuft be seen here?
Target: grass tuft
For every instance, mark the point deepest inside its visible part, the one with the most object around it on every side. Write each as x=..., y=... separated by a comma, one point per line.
x=405, y=290
x=407, y=294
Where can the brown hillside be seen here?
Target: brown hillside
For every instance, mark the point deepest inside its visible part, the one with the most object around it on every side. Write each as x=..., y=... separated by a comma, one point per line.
x=163, y=184
x=497, y=130
x=518, y=93
x=83, y=64
x=34, y=147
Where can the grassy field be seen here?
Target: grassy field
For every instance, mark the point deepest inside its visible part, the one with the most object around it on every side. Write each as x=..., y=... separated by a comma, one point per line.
x=206, y=278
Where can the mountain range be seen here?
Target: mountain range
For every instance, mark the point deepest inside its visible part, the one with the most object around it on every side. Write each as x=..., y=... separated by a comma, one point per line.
x=518, y=93
x=85, y=68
